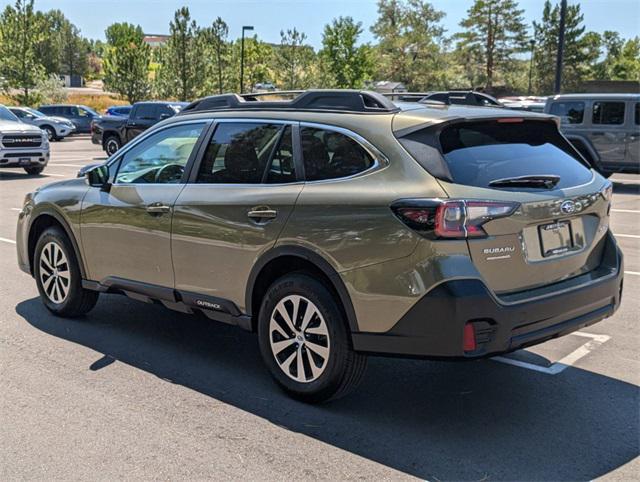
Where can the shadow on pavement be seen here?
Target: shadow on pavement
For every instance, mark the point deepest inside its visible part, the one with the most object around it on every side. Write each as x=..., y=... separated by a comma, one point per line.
x=463, y=421
x=625, y=188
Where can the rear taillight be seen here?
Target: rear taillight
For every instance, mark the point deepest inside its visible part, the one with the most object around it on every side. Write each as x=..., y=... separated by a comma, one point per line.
x=452, y=218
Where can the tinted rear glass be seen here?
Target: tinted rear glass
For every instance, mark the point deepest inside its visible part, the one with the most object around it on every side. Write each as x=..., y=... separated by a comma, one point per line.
x=480, y=152
x=610, y=113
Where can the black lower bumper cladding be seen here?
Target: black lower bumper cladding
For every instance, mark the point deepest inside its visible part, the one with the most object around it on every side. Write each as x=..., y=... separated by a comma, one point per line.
x=434, y=326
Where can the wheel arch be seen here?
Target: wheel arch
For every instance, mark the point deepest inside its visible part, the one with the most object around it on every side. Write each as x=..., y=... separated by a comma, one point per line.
x=286, y=259
x=44, y=220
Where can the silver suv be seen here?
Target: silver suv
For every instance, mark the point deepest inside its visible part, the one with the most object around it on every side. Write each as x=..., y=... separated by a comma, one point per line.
x=57, y=128
x=22, y=145
x=605, y=128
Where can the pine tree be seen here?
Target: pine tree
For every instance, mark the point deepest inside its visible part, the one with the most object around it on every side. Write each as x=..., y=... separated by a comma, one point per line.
x=495, y=31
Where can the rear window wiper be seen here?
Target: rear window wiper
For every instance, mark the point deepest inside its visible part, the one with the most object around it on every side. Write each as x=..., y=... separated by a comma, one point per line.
x=546, y=181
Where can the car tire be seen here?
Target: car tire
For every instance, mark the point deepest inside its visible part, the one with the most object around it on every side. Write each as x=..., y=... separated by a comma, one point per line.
x=318, y=336
x=58, y=276
x=111, y=145
x=34, y=171
x=51, y=132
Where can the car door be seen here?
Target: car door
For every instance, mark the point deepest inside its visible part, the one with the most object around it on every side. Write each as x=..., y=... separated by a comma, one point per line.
x=84, y=119
x=632, y=155
x=607, y=132
x=126, y=230
x=234, y=207
x=144, y=116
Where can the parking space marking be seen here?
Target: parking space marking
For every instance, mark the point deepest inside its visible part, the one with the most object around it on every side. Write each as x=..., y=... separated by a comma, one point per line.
x=10, y=241
x=561, y=365
x=625, y=211
x=635, y=273
x=58, y=164
x=626, y=235
x=16, y=209
x=56, y=175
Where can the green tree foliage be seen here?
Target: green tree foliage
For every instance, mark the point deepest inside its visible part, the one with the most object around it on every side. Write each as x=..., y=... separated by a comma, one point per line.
x=182, y=72
x=580, y=51
x=21, y=31
x=74, y=51
x=293, y=59
x=51, y=90
x=495, y=31
x=217, y=51
x=126, y=62
x=621, y=58
x=258, y=61
x=344, y=64
x=410, y=43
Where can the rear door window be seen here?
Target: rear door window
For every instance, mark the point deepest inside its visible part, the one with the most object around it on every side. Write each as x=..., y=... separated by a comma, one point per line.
x=637, y=113
x=608, y=113
x=570, y=112
x=329, y=155
x=480, y=152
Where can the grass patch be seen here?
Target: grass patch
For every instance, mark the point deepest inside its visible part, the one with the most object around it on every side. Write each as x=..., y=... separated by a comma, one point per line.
x=99, y=103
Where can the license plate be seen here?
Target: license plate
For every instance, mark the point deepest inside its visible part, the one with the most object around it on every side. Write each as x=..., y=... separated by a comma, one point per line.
x=23, y=161
x=555, y=238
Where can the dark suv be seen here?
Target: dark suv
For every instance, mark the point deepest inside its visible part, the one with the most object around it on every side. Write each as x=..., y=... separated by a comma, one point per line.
x=80, y=115
x=338, y=224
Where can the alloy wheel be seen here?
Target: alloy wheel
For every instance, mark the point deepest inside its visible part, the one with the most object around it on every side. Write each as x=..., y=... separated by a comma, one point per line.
x=299, y=338
x=55, y=274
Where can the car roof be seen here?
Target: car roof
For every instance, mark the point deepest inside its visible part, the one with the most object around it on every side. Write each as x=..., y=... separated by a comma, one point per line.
x=596, y=96
x=410, y=115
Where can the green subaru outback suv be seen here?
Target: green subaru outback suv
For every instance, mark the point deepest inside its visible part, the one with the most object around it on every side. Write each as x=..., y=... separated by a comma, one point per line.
x=338, y=224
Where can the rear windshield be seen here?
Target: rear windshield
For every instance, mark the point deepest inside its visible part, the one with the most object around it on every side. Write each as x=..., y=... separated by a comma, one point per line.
x=480, y=152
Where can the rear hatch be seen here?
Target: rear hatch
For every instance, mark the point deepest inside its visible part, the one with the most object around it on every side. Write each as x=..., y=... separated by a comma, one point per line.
x=550, y=210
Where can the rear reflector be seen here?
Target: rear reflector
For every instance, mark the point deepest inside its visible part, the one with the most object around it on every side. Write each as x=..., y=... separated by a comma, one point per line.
x=469, y=338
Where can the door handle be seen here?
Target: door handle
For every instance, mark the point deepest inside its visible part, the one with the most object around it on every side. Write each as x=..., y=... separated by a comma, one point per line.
x=262, y=213
x=158, y=208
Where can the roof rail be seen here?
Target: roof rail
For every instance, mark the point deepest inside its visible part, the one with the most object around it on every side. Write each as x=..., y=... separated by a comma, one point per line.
x=359, y=101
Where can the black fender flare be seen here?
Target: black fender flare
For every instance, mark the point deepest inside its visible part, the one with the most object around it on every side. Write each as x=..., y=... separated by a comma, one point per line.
x=318, y=261
x=50, y=211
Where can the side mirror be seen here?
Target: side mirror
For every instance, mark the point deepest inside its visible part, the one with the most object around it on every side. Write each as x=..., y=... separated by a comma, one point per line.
x=97, y=176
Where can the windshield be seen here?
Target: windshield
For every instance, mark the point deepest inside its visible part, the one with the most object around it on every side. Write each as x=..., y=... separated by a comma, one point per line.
x=7, y=115
x=36, y=113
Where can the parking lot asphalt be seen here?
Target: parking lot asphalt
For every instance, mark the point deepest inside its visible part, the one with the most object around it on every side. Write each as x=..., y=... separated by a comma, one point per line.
x=134, y=391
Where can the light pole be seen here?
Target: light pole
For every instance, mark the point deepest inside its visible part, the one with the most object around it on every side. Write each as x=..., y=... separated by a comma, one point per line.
x=532, y=42
x=245, y=27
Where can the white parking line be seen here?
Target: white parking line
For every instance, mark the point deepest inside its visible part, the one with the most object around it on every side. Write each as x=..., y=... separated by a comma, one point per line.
x=56, y=175
x=626, y=235
x=625, y=211
x=564, y=363
x=634, y=273
x=5, y=240
x=16, y=209
x=59, y=164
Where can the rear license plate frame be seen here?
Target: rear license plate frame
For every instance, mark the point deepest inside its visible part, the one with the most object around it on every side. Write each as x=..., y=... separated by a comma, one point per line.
x=563, y=234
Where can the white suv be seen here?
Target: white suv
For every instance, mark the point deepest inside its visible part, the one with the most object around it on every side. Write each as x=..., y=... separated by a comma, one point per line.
x=22, y=145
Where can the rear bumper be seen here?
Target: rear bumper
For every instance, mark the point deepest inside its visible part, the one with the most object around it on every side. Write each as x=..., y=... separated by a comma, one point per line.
x=434, y=326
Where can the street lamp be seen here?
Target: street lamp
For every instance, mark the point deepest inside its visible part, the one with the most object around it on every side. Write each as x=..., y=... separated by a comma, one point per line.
x=532, y=42
x=245, y=27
